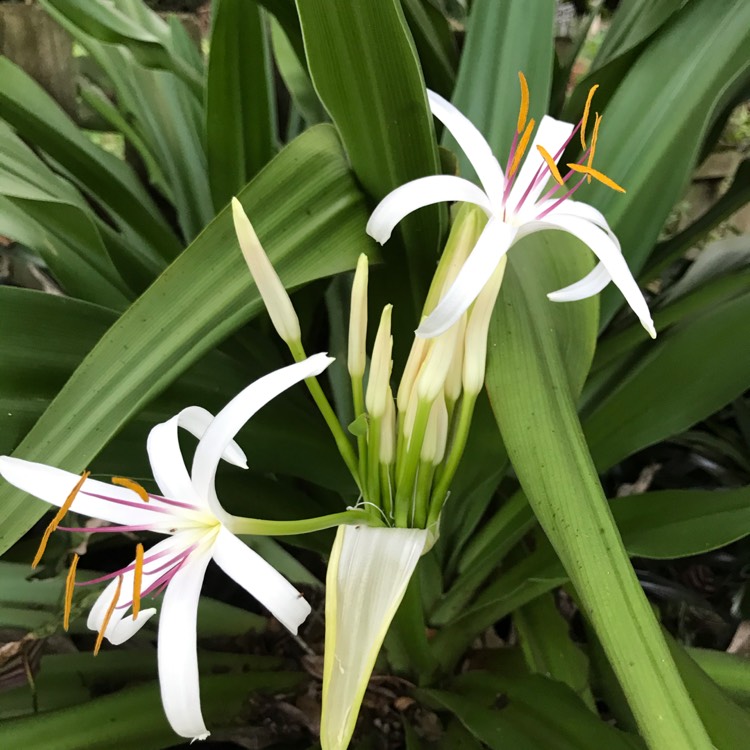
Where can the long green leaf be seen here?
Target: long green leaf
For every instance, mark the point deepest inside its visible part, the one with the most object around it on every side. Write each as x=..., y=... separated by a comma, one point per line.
x=310, y=217
x=537, y=418
x=504, y=37
x=652, y=154
x=239, y=122
x=104, y=179
x=365, y=69
x=133, y=719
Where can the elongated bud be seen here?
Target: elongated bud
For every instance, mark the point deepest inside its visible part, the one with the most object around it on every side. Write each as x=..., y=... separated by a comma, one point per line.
x=475, y=342
x=436, y=433
x=275, y=297
x=380, y=367
x=468, y=225
x=358, y=320
x=433, y=372
x=454, y=377
x=413, y=363
x=388, y=431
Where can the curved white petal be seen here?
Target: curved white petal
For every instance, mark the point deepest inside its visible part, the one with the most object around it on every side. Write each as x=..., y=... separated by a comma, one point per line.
x=419, y=193
x=610, y=256
x=492, y=245
x=54, y=485
x=551, y=135
x=121, y=625
x=368, y=573
x=177, y=654
x=589, y=286
x=260, y=579
x=165, y=455
x=236, y=413
x=473, y=144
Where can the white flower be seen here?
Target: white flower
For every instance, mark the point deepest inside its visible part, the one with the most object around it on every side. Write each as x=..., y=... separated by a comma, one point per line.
x=197, y=528
x=516, y=207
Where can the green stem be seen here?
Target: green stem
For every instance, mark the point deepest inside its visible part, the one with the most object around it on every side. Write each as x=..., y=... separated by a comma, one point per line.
x=458, y=444
x=422, y=496
x=325, y=408
x=386, y=483
x=373, y=462
x=358, y=398
x=262, y=527
x=408, y=471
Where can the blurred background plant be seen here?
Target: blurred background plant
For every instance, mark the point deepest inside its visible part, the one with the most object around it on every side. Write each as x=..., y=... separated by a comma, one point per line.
x=124, y=131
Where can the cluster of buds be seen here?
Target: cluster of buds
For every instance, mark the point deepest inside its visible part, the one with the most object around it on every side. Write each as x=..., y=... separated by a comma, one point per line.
x=409, y=446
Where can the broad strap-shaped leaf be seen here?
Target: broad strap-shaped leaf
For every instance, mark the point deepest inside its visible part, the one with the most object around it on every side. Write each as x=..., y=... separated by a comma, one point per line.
x=653, y=154
x=365, y=68
x=102, y=177
x=502, y=39
x=310, y=217
x=240, y=123
x=536, y=413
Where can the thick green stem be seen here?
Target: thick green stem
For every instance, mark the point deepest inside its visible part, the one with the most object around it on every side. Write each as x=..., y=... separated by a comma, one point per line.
x=358, y=398
x=408, y=471
x=261, y=527
x=342, y=439
x=422, y=494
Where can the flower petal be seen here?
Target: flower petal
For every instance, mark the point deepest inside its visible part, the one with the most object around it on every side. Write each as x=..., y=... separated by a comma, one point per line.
x=120, y=627
x=165, y=455
x=260, y=579
x=608, y=253
x=473, y=144
x=54, y=485
x=368, y=573
x=589, y=286
x=177, y=654
x=551, y=135
x=236, y=413
x=493, y=243
x=419, y=193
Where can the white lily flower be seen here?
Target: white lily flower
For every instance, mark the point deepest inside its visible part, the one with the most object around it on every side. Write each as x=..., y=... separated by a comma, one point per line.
x=368, y=573
x=197, y=528
x=516, y=206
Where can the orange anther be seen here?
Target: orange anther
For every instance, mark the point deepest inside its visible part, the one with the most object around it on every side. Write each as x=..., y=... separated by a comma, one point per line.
x=585, y=117
x=70, y=583
x=137, y=579
x=521, y=149
x=55, y=522
x=551, y=164
x=593, y=142
x=108, y=616
x=583, y=169
x=524, y=110
x=131, y=485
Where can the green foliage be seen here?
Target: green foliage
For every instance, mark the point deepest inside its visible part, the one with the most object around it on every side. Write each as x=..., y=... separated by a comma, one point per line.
x=159, y=312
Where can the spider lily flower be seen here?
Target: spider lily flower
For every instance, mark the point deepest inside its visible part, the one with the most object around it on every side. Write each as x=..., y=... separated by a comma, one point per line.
x=197, y=531
x=517, y=204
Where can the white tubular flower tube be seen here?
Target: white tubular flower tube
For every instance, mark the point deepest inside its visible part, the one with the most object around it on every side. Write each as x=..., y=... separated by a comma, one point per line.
x=275, y=297
x=475, y=341
x=388, y=432
x=380, y=367
x=434, y=371
x=436, y=433
x=368, y=573
x=413, y=363
x=358, y=320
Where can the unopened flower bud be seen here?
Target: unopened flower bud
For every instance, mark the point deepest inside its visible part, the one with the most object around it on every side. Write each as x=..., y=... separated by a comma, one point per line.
x=388, y=431
x=275, y=297
x=475, y=342
x=413, y=363
x=453, y=379
x=376, y=395
x=436, y=433
x=358, y=320
x=434, y=370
